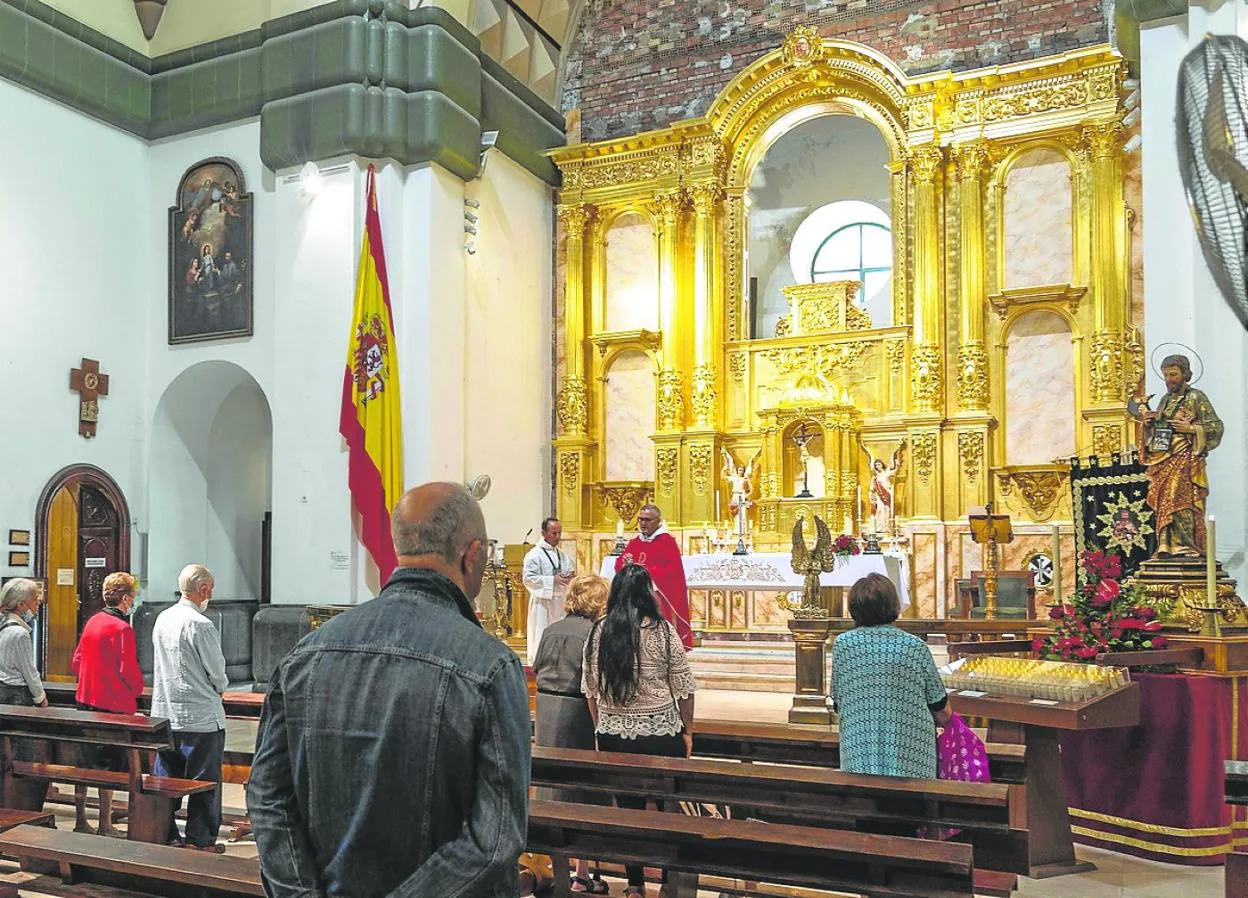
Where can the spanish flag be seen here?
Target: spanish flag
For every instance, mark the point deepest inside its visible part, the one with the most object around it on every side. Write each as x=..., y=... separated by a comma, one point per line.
x=371, y=420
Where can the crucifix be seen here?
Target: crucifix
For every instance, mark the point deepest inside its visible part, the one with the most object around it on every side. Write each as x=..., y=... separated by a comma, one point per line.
x=91, y=385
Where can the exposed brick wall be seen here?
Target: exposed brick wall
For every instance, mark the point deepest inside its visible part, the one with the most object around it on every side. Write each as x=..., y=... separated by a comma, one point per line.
x=641, y=64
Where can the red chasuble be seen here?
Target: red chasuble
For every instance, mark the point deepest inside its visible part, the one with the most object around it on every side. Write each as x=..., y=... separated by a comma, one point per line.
x=661, y=557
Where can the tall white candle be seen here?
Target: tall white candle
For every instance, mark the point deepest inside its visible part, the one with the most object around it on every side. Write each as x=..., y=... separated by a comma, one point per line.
x=717, y=508
x=1057, y=563
x=1211, y=561
x=619, y=527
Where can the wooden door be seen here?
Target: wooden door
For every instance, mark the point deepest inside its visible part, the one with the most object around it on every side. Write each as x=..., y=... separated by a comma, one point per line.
x=98, y=535
x=61, y=610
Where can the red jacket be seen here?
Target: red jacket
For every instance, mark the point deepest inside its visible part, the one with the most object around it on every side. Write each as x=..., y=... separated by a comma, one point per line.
x=107, y=664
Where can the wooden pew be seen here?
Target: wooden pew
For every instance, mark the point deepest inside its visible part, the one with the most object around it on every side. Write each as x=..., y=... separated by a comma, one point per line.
x=237, y=704
x=134, y=865
x=24, y=784
x=1237, y=861
x=802, y=796
x=779, y=743
x=846, y=862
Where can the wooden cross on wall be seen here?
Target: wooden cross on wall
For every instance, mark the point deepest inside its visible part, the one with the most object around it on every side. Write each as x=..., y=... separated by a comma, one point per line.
x=91, y=385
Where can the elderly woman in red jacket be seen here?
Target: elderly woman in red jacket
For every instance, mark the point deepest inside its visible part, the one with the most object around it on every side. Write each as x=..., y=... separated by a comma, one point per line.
x=107, y=664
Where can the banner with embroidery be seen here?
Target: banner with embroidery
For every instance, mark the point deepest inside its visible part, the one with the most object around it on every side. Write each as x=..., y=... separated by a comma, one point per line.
x=1111, y=512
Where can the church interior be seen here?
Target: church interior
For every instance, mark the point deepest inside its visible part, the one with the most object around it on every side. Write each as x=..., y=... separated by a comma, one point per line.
x=945, y=291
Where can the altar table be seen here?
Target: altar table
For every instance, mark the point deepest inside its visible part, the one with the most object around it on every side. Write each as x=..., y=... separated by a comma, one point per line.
x=1156, y=790
x=773, y=571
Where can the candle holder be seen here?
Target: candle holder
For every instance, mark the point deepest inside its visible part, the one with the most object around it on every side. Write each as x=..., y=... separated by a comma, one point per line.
x=626, y=497
x=1211, y=614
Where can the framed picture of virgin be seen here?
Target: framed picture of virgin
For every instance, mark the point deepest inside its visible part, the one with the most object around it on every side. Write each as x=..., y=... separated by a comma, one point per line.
x=210, y=254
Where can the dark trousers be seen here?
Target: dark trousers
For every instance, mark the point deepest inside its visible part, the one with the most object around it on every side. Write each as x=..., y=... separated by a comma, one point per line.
x=23, y=749
x=661, y=746
x=196, y=756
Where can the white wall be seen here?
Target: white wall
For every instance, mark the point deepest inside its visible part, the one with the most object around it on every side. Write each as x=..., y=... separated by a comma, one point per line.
x=508, y=290
x=1181, y=301
x=73, y=197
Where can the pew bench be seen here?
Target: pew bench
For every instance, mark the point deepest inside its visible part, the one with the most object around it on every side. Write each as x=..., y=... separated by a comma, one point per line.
x=134, y=865
x=835, y=860
x=151, y=799
x=809, y=797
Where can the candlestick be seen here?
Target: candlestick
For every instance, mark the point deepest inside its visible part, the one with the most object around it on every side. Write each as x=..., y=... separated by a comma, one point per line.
x=619, y=527
x=1057, y=564
x=1211, y=561
x=717, y=508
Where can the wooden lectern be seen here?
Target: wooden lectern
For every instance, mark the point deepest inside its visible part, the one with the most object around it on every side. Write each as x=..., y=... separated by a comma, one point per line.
x=991, y=530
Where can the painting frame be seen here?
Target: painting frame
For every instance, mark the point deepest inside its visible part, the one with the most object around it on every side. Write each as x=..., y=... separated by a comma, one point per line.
x=19, y=537
x=211, y=256
x=19, y=559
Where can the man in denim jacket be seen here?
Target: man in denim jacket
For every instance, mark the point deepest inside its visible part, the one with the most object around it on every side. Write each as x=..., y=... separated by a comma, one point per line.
x=393, y=753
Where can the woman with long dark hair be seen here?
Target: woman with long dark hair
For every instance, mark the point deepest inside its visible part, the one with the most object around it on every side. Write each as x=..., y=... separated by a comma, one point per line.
x=637, y=681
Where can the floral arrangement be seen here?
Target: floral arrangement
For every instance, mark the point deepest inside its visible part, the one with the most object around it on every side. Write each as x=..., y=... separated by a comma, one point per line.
x=1103, y=616
x=845, y=545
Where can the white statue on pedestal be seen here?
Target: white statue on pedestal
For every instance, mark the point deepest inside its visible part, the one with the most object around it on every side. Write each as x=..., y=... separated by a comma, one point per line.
x=882, y=494
x=740, y=488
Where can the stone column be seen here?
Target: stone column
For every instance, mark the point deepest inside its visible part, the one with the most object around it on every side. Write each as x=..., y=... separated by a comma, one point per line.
x=573, y=447
x=1108, y=252
x=926, y=375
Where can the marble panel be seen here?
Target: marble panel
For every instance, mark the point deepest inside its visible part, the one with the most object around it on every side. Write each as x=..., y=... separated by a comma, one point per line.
x=697, y=608
x=630, y=418
x=1038, y=246
x=765, y=612
x=737, y=604
x=1039, y=390
x=924, y=563
x=632, y=289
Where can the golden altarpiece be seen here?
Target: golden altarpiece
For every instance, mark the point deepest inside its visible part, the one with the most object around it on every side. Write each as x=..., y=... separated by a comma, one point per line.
x=929, y=388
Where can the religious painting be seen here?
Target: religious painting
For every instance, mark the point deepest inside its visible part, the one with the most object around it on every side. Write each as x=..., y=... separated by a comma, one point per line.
x=210, y=255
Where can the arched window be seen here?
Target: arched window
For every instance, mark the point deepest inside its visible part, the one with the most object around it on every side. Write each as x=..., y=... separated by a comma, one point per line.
x=846, y=240
x=862, y=251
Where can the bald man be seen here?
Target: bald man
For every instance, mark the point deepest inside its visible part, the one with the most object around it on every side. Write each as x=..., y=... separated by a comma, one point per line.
x=393, y=752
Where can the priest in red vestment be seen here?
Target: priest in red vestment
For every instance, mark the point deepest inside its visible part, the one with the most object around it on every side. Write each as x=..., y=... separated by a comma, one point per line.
x=658, y=552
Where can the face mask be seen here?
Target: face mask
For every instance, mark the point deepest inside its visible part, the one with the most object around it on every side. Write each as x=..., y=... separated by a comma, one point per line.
x=28, y=616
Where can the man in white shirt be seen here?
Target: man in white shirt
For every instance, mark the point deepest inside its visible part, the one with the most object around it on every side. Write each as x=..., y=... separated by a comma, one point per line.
x=188, y=678
x=547, y=573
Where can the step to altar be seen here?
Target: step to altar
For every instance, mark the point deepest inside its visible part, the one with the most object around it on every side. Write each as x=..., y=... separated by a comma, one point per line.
x=756, y=666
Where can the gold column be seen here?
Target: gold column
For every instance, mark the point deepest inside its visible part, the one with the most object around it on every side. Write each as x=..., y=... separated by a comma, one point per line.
x=1108, y=253
x=573, y=447
x=972, y=355
x=704, y=392
x=670, y=403
x=926, y=377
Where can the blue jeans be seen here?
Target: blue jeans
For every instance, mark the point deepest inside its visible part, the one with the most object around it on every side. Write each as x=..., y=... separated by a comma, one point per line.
x=196, y=756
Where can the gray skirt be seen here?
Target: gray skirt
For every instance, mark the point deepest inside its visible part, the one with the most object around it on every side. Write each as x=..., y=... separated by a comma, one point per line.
x=564, y=722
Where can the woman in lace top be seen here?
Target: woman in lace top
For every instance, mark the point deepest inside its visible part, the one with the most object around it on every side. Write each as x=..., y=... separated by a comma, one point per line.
x=637, y=681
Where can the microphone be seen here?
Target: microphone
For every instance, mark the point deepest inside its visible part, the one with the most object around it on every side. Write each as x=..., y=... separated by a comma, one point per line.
x=527, y=535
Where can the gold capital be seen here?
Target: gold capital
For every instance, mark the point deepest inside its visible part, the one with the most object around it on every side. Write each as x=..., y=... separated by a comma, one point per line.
x=925, y=161
x=970, y=160
x=706, y=198
x=1102, y=140
x=667, y=206
x=574, y=218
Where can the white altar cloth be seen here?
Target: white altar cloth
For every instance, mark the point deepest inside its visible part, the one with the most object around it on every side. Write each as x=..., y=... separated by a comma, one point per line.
x=773, y=571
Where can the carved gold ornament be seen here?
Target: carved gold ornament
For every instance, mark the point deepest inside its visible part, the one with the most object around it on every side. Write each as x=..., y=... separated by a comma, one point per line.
x=925, y=380
x=704, y=395
x=700, y=467
x=625, y=498
x=1039, y=489
x=737, y=365
x=924, y=453
x=971, y=451
x=571, y=406
x=925, y=162
x=671, y=400
x=896, y=350
x=574, y=218
x=1107, y=382
x=570, y=472
x=972, y=377
x=1106, y=439
x=802, y=47
x=668, y=460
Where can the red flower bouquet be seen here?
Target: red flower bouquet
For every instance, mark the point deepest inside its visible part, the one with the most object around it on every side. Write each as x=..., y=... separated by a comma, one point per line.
x=845, y=545
x=1102, y=616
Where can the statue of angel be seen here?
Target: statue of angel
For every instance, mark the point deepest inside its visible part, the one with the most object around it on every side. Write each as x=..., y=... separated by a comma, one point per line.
x=810, y=563
x=882, y=494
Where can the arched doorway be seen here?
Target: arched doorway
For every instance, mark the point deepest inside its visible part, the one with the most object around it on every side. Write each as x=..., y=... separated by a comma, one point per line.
x=82, y=534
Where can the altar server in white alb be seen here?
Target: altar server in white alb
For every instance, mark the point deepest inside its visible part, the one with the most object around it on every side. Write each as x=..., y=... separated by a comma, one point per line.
x=547, y=573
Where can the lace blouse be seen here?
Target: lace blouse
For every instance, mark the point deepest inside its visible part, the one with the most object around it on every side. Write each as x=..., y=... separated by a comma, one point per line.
x=665, y=678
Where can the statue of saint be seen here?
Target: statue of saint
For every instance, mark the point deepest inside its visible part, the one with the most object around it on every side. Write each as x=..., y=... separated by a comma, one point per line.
x=740, y=486
x=882, y=490
x=1176, y=439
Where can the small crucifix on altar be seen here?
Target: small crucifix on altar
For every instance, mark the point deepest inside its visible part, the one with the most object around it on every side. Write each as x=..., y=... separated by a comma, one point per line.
x=90, y=385
x=991, y=530
x=801, y=438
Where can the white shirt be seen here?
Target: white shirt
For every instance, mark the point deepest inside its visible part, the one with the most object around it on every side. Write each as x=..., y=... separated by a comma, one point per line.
x=541, y=565
x=188, y=673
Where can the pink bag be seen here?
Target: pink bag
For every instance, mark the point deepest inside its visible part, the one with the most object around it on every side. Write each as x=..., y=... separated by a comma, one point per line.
x=961, y=756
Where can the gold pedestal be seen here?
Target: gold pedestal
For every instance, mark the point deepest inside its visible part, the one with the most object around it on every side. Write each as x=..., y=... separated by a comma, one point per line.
x=1178, y=588
x=810, y=696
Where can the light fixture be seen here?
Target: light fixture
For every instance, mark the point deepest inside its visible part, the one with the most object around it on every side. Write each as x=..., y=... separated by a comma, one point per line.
x=1132, y=118
x=1132, y=144
x=149, y=13
x=310, y=179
